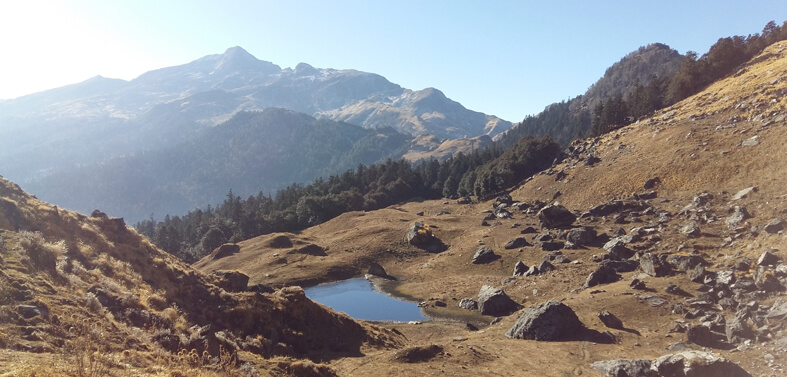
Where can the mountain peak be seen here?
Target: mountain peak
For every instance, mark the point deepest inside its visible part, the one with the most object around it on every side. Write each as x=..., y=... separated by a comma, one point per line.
x=237, y=59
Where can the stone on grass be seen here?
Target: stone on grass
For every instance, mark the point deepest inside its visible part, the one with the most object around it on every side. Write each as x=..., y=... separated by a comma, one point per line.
x=495, y=302
x=550, y=321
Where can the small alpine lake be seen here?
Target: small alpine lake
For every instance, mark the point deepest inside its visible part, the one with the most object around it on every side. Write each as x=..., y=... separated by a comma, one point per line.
x=359, y=300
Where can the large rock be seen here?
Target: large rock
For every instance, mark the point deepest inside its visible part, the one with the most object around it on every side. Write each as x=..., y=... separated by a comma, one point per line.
x=495, y=302
x=420, y=235
x=625, y=368
x=377, y=270
x=682, y=364
x=653, y=265
x=516, y=243
x=696, y=364
x=603, y=275
x=775, y=226
x=484, y=255
x=691, y=229
x=736, y=218
x=232, y=281
x=610, y=320
x=581, y=236
x=468, y=303
x=520, y=268
x=703, y=335
x=550, y=321
x=555, y=216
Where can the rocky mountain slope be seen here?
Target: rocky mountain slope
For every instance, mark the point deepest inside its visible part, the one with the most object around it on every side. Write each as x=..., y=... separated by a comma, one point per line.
x=100, y=118
x=656, y=249
x=250, y=153
x=88, y=296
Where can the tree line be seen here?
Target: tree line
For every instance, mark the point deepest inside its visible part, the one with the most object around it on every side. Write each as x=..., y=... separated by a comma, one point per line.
x=482, y=173
x=693, y=75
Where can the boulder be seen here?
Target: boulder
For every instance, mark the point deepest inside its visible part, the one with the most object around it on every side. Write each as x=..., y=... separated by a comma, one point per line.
x=744, y=193
x=696, y=364
x=651, y=183
x=617, y=249
x=533, y=270
x=691, y=229
x=377, y=270
x=625, y=368
x=703, y=335
x=767, y=258
x=602, y=275
x=653, y=266
x=552, y=246
x=550, y=321
x=736, y=218
x=545, y=267
x=468, y=303
x=484, y=255
x=555, y=216
x=231, y=281
x=224, y=251
x=516, y=243
x=520, y=268
x=610, y=320
x=419, y=235
x=775, y=226
x=581, y=236
x=528, y=230
x=495, y=302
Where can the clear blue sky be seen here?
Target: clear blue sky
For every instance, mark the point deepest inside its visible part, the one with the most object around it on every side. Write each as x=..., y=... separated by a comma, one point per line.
x=508, y=58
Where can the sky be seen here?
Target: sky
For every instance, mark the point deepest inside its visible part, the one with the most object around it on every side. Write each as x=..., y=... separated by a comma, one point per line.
x=507, y=58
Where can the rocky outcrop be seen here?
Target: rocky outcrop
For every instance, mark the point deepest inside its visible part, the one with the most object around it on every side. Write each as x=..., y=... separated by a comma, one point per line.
x=550, y=321
x=555, y=216
x=484, y=255
x=683, y=364
x=495, y=302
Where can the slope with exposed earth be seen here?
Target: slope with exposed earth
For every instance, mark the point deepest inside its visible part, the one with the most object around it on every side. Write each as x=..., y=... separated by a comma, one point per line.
x=695, y=261
x=88, y=296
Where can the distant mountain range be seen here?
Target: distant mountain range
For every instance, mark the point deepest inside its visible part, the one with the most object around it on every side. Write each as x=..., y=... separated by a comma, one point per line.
x=87, y=126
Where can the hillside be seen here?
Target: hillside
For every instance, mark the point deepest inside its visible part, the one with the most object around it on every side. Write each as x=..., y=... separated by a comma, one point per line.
x=88, y=296
x=691, y=197
x=91, y=122
x=250, y=153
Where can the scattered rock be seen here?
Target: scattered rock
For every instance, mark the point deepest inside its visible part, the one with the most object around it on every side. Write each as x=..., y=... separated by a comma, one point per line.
x=377, y=270
x=516, y=243
x=703, y=335
x=550, y=321
x=610, y=320
x=739, y=214
x=419, y=235
x=468, y=303
x=545, y=267
x=224, y=251
x=30, y=311
x=696, y=363
x=638, y=284
x=418, y=354
x=767, y=258
x=520, y=268
x=775, y=226
x=750, y=142
x=484, y=255
x=602, y=275
x=555, y=216
x=231, y=281
x=691, y=229
x=653, y=266
x=528, y=230
x=495, y=302
x=581, y=236
x=651, y=183
x=744, y=193
x=625, y=368
x=552, y=246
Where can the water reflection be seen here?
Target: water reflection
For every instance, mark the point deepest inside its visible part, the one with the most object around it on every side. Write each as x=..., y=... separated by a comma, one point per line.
x=359, y=300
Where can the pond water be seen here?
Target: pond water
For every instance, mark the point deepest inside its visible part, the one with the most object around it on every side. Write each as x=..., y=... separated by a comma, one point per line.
x=359, y=300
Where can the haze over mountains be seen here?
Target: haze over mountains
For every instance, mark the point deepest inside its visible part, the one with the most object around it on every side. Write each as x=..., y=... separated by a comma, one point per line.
x=84, y=130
